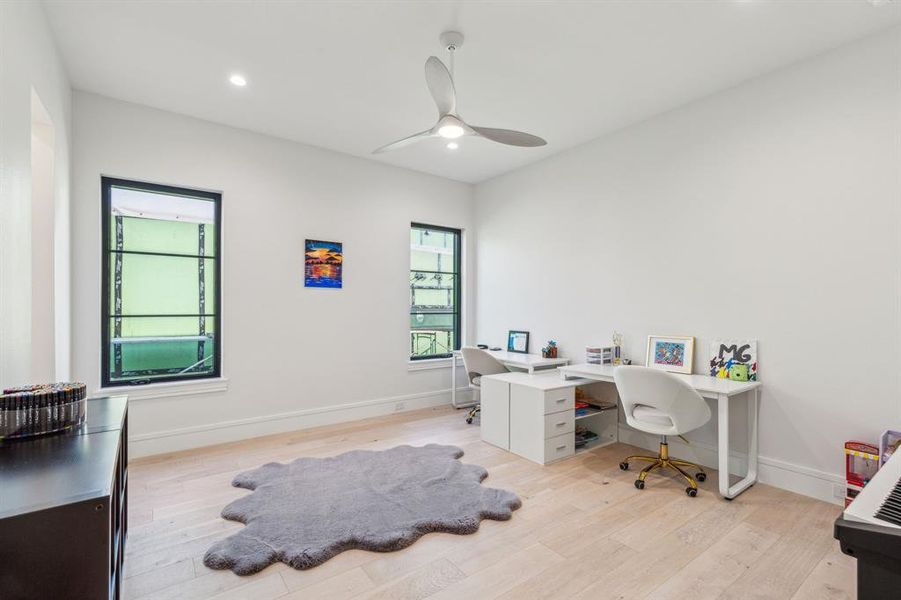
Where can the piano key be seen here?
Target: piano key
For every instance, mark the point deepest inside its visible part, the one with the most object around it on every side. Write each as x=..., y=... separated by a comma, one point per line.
x=895, y=520
x=888, y=514
x=889, y=511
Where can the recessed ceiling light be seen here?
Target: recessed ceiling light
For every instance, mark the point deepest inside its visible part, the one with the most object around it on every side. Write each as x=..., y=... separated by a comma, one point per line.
x=452, y=145
x=238, y=80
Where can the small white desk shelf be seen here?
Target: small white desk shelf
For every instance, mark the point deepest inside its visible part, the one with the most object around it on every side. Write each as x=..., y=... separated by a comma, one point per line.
x=533, y=415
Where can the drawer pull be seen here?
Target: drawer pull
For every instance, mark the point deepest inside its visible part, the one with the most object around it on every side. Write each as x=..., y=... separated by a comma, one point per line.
x=561, y=424
x=563, y=447
x=561, y=400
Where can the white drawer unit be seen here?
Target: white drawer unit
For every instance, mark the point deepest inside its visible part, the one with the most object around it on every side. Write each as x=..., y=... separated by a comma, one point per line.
x=542, y=420
x=534, y=415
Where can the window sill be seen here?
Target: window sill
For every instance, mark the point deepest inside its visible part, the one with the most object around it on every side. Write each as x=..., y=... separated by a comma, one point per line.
x=170, y=389
x=431, y=363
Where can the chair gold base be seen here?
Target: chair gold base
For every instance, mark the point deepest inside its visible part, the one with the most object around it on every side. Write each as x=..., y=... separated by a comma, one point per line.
x=663, y=461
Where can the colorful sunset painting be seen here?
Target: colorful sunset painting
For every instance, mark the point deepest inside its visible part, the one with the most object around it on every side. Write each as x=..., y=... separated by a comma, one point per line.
x=322, y=264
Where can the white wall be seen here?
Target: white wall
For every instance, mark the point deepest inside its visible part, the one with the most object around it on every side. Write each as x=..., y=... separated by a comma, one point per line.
x=29, y=62
x=42, y=233
x=293, y=357
x=768, y=211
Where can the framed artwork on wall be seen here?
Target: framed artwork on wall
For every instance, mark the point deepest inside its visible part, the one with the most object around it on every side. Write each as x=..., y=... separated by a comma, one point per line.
x=734, y=359
x=518, y=341
x=671, y=353
x=323, y=263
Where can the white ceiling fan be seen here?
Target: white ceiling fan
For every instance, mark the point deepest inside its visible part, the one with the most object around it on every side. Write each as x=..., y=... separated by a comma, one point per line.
x=450, y=126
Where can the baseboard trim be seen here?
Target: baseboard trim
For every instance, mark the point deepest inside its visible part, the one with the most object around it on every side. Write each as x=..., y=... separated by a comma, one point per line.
x=788, y=476
x=172, y=440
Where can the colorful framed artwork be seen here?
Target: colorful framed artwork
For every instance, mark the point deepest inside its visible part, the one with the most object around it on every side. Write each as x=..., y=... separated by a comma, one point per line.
x=673, y=354
x=518, y=341
x=323, y=263
x=733, y=359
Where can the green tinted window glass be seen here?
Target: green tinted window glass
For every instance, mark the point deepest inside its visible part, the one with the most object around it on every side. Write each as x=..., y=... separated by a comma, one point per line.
x=159, y=285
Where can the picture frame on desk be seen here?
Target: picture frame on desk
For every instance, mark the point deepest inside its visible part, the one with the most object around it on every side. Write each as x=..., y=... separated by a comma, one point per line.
x=518, y=341
x=671, y=353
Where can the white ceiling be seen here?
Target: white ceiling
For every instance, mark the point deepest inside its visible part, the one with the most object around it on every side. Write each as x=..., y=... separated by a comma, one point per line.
x=349, y=75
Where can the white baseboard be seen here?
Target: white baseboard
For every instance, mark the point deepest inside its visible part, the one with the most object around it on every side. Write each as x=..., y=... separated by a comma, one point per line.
x=780, y=474
x=160, y=442
x=795, y=478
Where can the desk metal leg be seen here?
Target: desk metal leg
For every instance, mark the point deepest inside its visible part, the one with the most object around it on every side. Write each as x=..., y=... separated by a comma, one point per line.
x=454, y=385
x=727, y=491
x=453, y=379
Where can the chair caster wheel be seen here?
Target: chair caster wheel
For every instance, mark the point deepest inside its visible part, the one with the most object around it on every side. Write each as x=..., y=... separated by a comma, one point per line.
x=701, y=476
x=692, y=492
x=624, y=466
x=639, y=484
x=469, y=420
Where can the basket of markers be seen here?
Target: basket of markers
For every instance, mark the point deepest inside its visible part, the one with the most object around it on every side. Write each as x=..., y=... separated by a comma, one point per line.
x=41, y=409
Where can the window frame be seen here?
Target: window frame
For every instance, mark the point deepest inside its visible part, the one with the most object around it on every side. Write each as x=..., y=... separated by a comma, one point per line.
x=106, y=186
x=458, y=290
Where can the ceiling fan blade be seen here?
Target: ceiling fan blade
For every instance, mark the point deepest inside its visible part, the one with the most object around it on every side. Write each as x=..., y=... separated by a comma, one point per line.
x=402, y=143
x=441, y=85
x=509, y=137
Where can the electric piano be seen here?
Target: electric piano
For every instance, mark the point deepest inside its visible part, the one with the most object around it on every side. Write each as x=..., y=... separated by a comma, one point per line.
x=870, y=530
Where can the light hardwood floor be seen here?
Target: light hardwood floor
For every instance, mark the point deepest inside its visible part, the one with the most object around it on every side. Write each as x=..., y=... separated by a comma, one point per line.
x=583, y=531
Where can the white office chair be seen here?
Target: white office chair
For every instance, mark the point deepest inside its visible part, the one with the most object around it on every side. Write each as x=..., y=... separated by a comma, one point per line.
x=657, y=402
x=477, y=362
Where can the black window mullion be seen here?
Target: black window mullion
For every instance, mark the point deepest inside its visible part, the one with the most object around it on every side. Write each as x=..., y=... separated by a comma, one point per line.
x=186, y=315
x=117, y=298
x=168, y=254
x=201, y=283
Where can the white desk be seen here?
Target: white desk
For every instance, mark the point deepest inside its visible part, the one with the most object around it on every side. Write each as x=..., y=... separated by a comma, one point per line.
x=533, y=415
x=721, y=390
x=513, y=360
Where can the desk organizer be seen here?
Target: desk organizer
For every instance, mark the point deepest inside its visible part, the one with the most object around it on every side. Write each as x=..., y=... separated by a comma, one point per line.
x=40, y=409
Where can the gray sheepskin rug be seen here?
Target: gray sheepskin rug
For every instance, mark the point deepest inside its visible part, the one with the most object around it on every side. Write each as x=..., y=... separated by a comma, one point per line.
x=307, y=511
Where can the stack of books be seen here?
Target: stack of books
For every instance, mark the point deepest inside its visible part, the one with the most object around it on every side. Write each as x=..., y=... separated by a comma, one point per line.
x=584, y=436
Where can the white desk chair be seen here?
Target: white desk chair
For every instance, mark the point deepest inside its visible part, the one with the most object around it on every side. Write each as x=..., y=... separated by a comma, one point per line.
x=656, y=402
x=477, y=362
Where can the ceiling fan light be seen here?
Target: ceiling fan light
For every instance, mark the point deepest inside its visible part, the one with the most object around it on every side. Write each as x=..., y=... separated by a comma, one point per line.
x=450, y=131
x=452, y=145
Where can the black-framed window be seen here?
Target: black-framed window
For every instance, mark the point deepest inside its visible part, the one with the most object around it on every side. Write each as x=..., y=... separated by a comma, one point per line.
x=161, y=271
x=435, y=326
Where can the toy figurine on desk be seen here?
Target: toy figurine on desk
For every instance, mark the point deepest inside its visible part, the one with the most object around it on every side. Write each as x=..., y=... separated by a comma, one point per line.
x=617, y=348
x=549, y=351
x=739, y=372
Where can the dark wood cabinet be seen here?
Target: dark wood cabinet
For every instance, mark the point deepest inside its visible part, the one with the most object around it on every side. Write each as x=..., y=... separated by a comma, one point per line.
x=64, y=509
